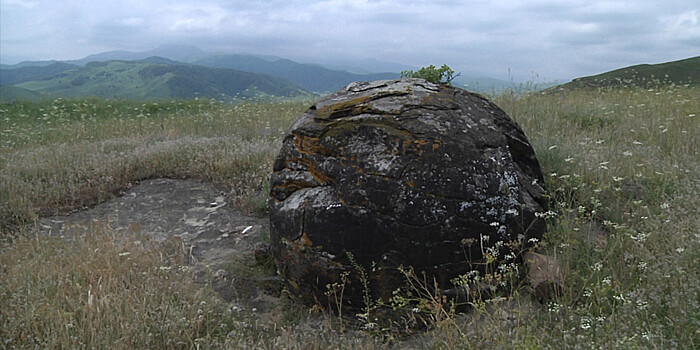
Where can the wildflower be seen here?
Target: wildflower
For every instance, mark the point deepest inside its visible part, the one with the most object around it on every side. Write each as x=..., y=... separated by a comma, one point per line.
x=680, y=250
x=553, y=307
x=495, y=224
x=607, y=280
x=547, y=214
x=597, y=266
x=641, y=237
x=585, y=323
x=665, y=206
x=627, y=153
x=370, y=326
x=642, y=265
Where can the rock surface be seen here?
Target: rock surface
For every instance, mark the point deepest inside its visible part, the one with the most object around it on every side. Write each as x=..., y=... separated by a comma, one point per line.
x=399, y=173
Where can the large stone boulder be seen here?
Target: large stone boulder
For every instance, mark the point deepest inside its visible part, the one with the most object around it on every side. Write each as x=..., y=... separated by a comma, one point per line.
x=400, y=173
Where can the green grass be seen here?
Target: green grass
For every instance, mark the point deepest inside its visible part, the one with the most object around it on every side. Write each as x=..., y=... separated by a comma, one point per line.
x=621, y=169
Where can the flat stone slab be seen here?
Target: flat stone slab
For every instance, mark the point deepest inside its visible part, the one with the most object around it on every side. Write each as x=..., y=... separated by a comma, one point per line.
x=192, y=210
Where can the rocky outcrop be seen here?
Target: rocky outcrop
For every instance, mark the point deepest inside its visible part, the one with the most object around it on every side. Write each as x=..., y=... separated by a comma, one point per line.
x=400, y=173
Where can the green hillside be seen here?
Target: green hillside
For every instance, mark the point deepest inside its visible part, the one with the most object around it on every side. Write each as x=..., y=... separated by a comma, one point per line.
x=146, y=80
x=9, y=93
x=23, y=74
x=686, y=71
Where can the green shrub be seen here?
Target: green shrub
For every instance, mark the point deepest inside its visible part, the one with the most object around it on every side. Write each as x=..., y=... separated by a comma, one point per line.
x=442, y=75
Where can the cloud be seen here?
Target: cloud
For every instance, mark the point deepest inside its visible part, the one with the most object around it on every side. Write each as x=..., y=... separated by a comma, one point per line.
x=555, y=38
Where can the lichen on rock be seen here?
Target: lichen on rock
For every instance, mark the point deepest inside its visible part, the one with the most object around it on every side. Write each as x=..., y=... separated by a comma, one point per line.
x=400, y=173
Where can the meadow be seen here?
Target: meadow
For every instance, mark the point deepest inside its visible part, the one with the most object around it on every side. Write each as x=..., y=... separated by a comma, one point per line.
x=621, y=170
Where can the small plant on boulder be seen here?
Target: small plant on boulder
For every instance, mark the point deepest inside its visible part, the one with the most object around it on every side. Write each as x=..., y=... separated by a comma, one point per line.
x=442, y=75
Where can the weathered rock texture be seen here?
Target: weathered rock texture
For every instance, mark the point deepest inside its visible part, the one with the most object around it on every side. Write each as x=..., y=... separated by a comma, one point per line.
x=400, y=173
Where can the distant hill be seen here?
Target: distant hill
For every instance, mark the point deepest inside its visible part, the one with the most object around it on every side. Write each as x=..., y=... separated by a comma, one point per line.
x=310, y=76
x=686, y=71
x=146, y=80
x=29, y=73
x=28, y=64
x=9, y=93
x=181, y=53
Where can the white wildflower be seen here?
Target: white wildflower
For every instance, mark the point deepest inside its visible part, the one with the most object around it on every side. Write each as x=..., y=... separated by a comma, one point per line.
x=585, y=323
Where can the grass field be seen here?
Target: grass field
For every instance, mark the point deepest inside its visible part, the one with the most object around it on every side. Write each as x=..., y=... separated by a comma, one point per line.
x=621, y=169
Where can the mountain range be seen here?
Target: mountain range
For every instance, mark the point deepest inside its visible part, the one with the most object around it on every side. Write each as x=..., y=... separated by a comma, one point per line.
x=123, y=74
x=187, y=72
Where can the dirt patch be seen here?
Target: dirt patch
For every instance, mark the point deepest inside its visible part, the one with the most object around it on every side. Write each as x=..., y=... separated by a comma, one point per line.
x=222, y=240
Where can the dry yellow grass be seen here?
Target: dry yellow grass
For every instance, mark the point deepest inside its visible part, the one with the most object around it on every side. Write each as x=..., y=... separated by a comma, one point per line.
x=621, y=168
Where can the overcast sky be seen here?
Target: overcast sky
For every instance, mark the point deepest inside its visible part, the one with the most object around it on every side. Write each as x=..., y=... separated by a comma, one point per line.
x=544, y=39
